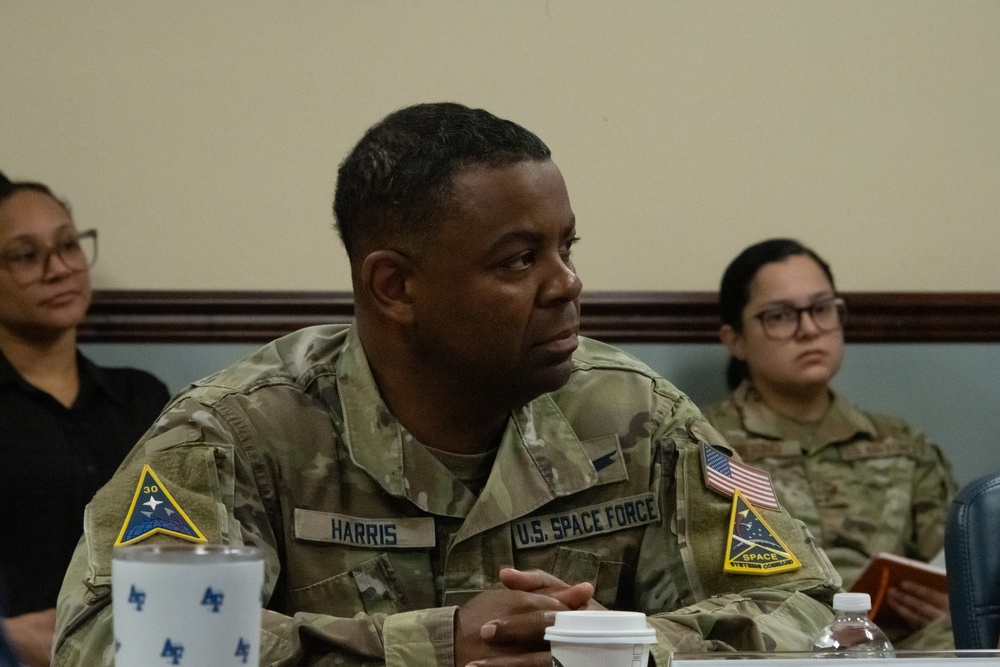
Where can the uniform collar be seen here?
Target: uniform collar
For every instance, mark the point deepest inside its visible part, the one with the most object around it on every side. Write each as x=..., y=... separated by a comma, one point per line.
x=539, y=458
x=841, y=423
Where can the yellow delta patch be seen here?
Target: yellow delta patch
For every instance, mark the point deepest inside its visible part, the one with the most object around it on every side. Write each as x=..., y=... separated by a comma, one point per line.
x=153, y=511
x=753, y=547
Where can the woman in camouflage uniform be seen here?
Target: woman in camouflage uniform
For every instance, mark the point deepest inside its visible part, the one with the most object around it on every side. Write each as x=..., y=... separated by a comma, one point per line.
x=862, y=483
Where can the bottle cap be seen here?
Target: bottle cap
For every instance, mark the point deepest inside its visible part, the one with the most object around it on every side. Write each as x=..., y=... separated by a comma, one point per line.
x=852, y=602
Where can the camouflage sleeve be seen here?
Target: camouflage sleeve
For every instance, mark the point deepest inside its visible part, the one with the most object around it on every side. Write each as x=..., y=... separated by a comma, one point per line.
x=697, y=606
x=934, y=487
x=192, y=454
x=423, y=637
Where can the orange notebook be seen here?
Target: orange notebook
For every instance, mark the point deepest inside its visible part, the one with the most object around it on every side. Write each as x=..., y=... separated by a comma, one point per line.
x=885, y=571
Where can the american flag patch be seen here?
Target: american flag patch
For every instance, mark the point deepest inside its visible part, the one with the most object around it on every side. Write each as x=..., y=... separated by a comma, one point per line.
x=726, y=475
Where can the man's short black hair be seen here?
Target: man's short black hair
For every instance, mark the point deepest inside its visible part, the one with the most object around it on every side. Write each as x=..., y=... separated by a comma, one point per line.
x=397, y=181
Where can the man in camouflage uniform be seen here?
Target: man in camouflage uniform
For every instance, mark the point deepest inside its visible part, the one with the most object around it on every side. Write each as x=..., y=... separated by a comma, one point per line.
x=390, y=471
x=862, y=483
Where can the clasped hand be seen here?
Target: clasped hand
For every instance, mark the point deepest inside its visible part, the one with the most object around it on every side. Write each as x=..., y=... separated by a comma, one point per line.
x=505, y=626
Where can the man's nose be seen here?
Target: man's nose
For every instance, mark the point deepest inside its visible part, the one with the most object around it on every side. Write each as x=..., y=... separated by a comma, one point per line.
x=563, y=285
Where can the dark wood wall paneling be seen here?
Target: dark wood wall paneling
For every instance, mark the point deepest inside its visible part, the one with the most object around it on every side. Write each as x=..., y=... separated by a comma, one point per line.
x=617, y=317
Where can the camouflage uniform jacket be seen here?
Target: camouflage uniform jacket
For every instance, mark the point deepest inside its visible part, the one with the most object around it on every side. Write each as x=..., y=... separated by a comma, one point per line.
x=370, y=541
x=862, y=483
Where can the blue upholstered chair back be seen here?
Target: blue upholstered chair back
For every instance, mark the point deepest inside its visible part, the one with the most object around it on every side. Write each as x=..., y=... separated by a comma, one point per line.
x=972, y=553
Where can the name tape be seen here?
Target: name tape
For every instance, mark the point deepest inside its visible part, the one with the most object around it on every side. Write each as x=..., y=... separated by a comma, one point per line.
x=618, y=514
x=400, y=533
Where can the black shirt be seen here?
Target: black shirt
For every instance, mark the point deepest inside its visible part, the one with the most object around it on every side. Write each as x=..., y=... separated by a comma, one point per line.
x=52, y=461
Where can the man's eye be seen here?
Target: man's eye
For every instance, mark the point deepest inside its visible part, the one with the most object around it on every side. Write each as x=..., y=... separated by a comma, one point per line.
x=567, y=248
x=521, y=261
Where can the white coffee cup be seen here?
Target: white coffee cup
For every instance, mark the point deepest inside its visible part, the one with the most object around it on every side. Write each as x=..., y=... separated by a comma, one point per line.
x=600, y=639
x=186, y=604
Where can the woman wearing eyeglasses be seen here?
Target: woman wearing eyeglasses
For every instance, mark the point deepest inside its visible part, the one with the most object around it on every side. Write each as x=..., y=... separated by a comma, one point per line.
x=65, y=423
x=862, y=483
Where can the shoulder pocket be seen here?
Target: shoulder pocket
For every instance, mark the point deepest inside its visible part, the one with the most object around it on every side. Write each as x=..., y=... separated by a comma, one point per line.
x=191, y=477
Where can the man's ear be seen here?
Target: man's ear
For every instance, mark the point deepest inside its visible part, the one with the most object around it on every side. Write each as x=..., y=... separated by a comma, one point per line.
x=733, y=342
x=386, y=275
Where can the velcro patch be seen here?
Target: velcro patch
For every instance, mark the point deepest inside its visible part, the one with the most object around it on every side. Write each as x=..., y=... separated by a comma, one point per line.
x=753, y=547
x=606, y=455
x=618, y=514
x=157, y=513
x=726, y=475
x=401, y=533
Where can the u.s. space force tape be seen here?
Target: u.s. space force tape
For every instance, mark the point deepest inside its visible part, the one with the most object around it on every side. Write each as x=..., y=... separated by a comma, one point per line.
x=582, y=522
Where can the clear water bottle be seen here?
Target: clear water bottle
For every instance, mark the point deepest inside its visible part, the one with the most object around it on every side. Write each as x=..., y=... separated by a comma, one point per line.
x=852, y=634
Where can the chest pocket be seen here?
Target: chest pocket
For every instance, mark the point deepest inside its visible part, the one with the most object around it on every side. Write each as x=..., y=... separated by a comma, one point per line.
x=343, y=565
x=372, y=586
x=576, y=566
x=868, y=501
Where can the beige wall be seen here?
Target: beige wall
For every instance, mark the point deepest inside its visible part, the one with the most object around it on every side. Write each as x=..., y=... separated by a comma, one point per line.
x=203, y=138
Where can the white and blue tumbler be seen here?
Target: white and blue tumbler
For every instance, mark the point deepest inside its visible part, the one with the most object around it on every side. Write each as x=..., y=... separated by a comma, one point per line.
x=186, y=604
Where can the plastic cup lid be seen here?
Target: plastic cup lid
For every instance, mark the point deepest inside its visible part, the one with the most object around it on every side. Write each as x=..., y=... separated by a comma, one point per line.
x=601, y=627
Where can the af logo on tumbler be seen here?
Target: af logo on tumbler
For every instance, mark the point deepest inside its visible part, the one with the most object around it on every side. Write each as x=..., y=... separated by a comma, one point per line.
x=178, y=603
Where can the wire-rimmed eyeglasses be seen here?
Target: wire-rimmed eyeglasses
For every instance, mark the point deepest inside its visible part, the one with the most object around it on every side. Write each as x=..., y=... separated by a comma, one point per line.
x=784, y=322
x=27, y=261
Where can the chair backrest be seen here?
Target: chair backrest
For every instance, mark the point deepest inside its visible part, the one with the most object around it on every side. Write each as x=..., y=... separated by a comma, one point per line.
x=972, y=554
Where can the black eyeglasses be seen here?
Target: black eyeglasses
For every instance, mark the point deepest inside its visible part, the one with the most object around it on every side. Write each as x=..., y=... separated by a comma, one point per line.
x=27, y=261
x=784, y=322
